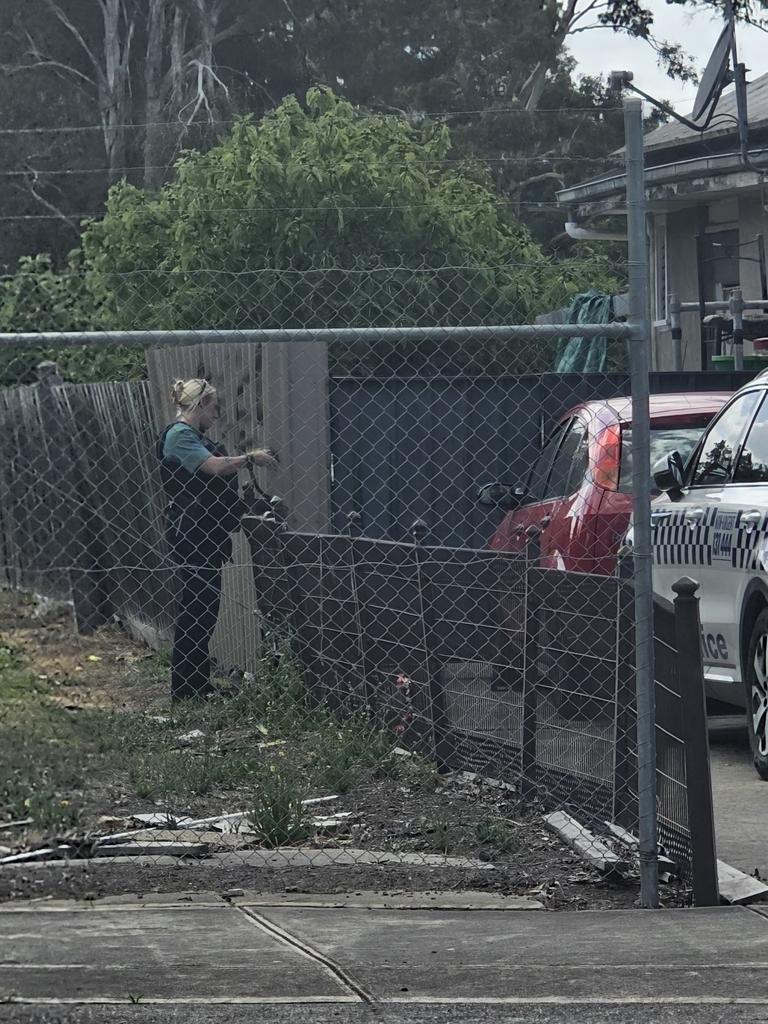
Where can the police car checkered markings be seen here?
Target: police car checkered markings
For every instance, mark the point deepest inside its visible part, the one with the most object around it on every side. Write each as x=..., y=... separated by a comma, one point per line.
x=749, y=541
x=719, y=537
x=676, y=542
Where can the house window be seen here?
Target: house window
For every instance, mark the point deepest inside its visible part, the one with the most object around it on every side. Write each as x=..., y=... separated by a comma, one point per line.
x=661, y=288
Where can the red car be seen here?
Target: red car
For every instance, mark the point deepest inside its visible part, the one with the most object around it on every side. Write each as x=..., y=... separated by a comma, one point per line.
x=579, y=489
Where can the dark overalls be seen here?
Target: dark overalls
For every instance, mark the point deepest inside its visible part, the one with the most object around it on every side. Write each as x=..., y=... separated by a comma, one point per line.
x=202, y=513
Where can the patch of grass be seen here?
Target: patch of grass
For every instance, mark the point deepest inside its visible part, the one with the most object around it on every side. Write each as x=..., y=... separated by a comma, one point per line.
x=274, y=702
x=159, y=774
x=440, y=838
x=499, y=834
x=41, y=763
x=344, y=750
x=276, y=812
x=10, y=658
x=156, y=667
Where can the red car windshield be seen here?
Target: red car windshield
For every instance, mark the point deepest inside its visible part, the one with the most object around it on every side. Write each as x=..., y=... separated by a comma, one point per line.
x=664, y=440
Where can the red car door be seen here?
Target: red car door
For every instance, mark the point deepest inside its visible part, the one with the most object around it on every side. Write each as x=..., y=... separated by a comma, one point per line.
x=555, y=502
x=511, y=533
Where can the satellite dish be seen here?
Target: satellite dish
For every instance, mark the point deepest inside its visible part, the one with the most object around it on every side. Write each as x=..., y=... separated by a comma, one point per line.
x=716, y=74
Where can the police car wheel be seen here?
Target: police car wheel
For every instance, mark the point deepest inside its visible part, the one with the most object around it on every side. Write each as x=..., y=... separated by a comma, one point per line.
x=757, y=694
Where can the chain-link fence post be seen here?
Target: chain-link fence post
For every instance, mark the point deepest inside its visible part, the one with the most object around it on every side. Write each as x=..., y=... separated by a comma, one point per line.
x=641, y=507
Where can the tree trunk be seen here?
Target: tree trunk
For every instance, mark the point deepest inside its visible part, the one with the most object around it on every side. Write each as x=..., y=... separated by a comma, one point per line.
x=114, y=82
x=155, y=134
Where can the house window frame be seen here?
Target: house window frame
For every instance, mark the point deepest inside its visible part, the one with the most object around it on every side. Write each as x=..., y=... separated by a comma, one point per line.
x=660, y=271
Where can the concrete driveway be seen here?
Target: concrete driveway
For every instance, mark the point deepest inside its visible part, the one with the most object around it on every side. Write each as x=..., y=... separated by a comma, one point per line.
x=741, y=800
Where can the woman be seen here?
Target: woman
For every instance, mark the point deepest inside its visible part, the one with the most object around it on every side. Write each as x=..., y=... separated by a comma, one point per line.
x=204, y=508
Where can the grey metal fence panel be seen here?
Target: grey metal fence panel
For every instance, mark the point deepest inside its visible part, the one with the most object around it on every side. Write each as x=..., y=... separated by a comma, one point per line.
x=420, y=447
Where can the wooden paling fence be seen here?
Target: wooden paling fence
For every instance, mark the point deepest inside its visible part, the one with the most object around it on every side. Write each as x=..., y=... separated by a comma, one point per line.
x=81, y=508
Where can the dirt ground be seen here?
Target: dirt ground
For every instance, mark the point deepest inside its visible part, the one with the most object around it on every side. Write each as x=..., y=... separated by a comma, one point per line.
x=88, y=739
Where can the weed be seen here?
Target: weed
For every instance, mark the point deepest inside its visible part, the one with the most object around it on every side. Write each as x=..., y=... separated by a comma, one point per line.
x=498, y=833
x=158, y=774
x=9, y=658
x=344, y=749
x=277, y=813
x=154, y=668
x=286, y=708
x=440, y=838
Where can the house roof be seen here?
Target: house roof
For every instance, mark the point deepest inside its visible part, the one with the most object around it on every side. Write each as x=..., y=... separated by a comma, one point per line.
x=674, y=134
x=678, y=159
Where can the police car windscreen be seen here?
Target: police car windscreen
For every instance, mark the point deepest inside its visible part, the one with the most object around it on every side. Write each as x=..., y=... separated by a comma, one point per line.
x=663, y=441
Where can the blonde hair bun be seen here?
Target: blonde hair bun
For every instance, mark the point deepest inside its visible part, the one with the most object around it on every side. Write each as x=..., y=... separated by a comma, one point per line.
x=187, y=394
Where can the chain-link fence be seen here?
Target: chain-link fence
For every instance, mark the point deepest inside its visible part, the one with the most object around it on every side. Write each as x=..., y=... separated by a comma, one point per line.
x=422, y=655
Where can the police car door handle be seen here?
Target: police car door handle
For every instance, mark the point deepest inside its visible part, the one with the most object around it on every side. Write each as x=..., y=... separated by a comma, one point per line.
x=659, y=517
x=694, y=516
x=751, y=520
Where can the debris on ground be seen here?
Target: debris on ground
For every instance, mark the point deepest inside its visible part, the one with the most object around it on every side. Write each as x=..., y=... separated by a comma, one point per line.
x=187, y=739
x=125, y=774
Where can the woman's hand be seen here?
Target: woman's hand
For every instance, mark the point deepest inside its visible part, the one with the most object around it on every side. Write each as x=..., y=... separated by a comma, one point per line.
x=261, y=457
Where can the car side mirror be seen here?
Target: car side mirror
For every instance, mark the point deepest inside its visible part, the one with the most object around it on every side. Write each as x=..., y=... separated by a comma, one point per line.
x=668, y=473
x=498, y=495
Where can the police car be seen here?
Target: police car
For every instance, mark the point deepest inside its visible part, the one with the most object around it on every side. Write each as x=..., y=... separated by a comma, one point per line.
x=711, y=523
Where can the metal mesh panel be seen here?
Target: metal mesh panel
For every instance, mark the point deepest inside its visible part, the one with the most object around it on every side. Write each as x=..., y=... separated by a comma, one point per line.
x=422, y=594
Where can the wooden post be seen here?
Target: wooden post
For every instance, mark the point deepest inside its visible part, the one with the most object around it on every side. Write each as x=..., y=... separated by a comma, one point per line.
x=696, y=744
x=528, y=752
x=625, y=811
x=442, y=746
x=296, y=424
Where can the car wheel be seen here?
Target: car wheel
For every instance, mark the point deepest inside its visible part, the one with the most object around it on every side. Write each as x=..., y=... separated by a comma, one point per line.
x=756, y=682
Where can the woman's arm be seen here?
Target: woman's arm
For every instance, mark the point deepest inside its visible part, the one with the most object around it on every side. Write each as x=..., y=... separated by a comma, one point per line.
x=226, y=465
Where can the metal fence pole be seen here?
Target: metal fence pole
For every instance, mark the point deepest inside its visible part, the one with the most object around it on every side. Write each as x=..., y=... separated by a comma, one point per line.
x=641, y=485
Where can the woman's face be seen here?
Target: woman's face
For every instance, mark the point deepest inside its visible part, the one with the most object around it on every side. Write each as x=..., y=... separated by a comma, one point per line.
x=209, y=411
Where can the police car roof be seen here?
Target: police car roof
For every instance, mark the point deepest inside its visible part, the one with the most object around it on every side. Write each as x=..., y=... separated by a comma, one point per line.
x=706, y=403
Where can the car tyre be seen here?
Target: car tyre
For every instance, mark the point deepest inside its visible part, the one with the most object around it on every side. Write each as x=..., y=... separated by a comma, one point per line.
x=756, y=682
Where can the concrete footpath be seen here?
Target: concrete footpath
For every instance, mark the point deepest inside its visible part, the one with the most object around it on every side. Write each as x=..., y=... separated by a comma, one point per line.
x=430, y=958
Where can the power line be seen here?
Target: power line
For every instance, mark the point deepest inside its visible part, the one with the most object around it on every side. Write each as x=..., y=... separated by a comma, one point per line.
x=62, y=129
x=472, y=158
x=528, y=204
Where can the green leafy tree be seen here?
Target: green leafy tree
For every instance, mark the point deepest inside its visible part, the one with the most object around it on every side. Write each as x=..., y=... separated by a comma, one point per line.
x=39, y=298
x=322, y=216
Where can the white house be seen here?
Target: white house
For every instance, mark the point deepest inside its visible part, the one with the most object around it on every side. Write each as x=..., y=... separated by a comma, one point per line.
x=708, y=217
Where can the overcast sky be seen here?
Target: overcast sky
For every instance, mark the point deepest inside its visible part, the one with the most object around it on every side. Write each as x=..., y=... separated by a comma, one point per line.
x=602, y=51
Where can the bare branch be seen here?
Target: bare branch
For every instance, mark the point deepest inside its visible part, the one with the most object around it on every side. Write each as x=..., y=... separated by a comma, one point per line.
x=54, y=65
x=201, y=98
x=545, y=176
x=50, y=207
x=596, y=5
x=77, y=35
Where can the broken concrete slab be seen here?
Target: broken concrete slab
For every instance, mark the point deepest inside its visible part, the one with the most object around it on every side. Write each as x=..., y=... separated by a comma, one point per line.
x=738, y=888
x=587, y=845
x=404, y=900
x=303, y=856
x=154, y=847
x=229, y=840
